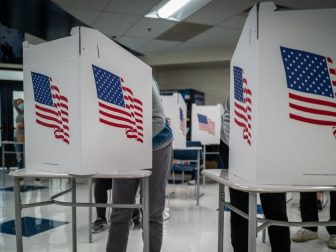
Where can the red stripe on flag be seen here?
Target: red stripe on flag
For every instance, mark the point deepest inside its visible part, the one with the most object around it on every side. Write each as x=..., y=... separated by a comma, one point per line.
x=312, y=100
x=47, y=117
x=329, y=60
x=113, y=109
x=312, y=121
x=48, y=125
x=240, y=124
x=114, y=124
x=311, y=110
x=113, y=116
x=46, y=110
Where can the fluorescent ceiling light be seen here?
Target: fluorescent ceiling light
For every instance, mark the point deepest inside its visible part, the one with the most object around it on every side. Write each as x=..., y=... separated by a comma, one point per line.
x=176, y=10
x=171, y=7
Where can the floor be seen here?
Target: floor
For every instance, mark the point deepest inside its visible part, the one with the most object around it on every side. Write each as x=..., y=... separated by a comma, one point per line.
x=189, y=228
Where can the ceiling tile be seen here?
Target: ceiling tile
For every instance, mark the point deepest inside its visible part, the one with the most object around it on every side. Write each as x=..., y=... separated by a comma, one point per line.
x=83, y=4
x=234, y=22
x=133, y=42
x=157, y=46
x=114, y=24
x=215, y=34
x=86, y=16
x=156, y=26
x=306, y=4
x=218, y=10
x=188, y=46
x=138, y=7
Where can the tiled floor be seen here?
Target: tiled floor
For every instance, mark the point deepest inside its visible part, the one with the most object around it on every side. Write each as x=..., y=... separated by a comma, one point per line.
x=189, y=228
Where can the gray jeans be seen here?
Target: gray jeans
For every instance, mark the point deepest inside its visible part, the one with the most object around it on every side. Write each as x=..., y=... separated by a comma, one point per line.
x=124, y=191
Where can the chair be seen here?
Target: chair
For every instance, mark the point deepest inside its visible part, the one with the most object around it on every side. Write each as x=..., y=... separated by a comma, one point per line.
x=188, y=160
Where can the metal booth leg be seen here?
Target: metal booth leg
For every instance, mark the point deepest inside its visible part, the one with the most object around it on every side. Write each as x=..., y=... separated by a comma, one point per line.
x=198, y=178
x=90, y=210
x=252, y=222
x=221, y=198
x=74, y=217
x=18, y=209
x=145, y=208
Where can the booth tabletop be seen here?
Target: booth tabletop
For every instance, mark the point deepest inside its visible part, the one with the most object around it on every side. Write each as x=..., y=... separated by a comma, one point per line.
x=222, y=176
x=190, y=148
x=29, y=173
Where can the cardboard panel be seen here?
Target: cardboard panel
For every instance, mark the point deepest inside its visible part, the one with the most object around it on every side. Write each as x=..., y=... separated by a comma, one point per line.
x=290, y=73
x=105, y=103
x=206, y=124
x=176, y=112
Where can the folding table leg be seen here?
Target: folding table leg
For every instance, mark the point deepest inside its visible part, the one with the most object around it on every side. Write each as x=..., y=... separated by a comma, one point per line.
x=18, y=210
x=252, y=222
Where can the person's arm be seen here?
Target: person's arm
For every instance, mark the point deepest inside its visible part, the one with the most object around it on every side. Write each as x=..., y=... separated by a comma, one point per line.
x=226, y=119
x=158, y=115
x=15, y=105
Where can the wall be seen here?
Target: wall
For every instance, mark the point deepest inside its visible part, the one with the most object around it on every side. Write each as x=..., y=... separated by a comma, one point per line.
x=212, y=79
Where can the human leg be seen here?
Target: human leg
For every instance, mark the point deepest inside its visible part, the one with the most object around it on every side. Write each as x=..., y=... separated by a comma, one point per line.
x=157, y=195
x=274, y=207
x=308, y=208
x=19, y=153
x=332, y=229
x=123, y=192
x=100, y=194
x=224, y=154
x=239, y=225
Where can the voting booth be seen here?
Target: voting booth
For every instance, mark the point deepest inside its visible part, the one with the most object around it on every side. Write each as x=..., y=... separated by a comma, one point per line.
x=283, y=106
x=88, y=106
x=206, y=124
x=176, y=113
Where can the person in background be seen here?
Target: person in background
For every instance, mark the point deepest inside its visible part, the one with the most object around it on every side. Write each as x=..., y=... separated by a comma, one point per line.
x=124, y=190
x=309, y=212
x=273, y=204
x=19, y=137
x=224, y=133
x=100, y=194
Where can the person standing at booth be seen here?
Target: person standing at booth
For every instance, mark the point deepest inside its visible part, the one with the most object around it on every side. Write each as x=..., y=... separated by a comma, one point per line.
x=273, y=204
x=124, y=190
x=309, y=212
x=100, y=194
x=19, y=131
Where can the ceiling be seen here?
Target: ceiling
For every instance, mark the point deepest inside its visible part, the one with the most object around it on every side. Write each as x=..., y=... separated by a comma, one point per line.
x=124, y=21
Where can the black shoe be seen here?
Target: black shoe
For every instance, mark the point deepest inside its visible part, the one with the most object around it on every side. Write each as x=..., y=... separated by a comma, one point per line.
x=136, y=219
x=99, y=225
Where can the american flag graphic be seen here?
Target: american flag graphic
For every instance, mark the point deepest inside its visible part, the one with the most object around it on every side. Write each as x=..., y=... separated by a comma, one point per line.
x=182, y=121
x=117, y=105
x=242, y=103
x=311, y=82
x=206, y=124
x=51, y=108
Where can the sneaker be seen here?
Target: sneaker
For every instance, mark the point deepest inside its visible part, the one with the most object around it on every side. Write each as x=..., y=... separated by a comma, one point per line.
x=99, y=225
x=332, y=242
x=303, y=235
x=191, y=182
x=136, y=219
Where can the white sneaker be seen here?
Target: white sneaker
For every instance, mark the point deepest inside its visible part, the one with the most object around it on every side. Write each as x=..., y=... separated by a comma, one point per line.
x=191, y=182
x=332, y=242
x=303, y=235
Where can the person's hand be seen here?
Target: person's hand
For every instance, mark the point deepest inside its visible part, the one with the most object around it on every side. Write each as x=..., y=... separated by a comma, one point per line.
x=20, y=126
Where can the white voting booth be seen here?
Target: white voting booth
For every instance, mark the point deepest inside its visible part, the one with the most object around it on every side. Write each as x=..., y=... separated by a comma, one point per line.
x=176, y=113
x=283, y=106
x=88, y=106
x=206, y=124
